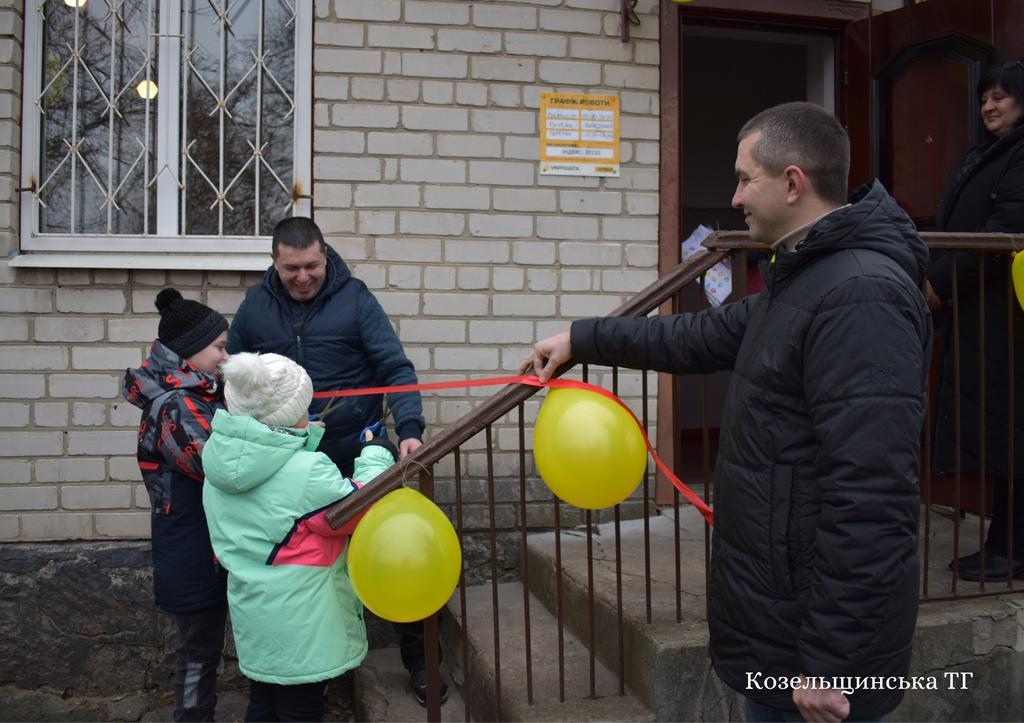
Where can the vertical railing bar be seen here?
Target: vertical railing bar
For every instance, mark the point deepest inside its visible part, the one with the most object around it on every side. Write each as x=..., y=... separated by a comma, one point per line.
x=705, y=441
x=982, y=393
x=956, y=425
x=590, y=578
x=523, y=554
x=430, y=642
x=677, y=304
x=259, y=119
x=74, y=121
x=618, y=571
x=494, y=568
x=591, y=637
x=559, y=612
x=647, y=503
x=926, y=476
x=678, y=561
x=111, y=90
x=1011, y=310
x=462, y=581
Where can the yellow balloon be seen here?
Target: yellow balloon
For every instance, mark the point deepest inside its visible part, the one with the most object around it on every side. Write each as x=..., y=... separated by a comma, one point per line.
x=1017, y=272
x=404, y=558
x=589, y=450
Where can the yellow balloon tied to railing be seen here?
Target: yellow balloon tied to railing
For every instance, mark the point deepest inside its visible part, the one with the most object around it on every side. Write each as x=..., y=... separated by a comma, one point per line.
x=404, y=558
x=1017, y=273
x=589, y=450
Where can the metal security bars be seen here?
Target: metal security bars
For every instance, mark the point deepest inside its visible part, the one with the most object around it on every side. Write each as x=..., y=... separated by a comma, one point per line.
x=149, y=120
x=95, y=131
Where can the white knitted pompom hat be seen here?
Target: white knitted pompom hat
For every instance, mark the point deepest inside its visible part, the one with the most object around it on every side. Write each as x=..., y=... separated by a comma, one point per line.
x=269, y=388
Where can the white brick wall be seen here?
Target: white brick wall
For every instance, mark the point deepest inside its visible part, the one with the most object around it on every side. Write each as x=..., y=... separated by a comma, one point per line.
x=425, y=178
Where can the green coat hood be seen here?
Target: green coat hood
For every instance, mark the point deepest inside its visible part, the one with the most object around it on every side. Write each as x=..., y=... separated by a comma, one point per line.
x=247, y=453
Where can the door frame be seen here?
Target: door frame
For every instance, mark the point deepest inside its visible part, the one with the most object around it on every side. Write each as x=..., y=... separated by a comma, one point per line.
x=786, y=16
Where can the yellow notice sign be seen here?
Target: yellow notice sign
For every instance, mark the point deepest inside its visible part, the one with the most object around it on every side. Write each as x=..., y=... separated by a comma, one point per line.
x=579, y=134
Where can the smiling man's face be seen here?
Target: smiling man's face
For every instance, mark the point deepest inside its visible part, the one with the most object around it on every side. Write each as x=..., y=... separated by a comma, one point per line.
x=302, y=271
x=760, y=195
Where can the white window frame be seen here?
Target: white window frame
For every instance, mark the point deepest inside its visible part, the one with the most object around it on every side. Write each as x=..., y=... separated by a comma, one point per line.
x=164, y=249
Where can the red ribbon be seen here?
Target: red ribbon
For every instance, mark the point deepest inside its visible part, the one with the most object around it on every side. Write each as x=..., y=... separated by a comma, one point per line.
x=534, y=381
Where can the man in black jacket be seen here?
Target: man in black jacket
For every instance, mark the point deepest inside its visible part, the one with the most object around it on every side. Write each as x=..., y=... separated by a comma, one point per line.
x=814, y=569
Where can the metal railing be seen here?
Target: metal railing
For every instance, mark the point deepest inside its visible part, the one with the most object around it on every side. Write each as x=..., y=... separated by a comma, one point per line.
x=941, y=524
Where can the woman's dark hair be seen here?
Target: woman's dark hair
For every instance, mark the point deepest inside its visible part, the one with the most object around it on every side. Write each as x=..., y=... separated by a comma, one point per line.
x=1008, y=76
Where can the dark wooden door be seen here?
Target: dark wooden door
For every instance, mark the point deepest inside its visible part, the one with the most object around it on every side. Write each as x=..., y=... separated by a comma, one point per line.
x=908, y=93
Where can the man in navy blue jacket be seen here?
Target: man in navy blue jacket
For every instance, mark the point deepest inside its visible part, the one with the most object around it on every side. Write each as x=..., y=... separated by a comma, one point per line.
x=310, y=309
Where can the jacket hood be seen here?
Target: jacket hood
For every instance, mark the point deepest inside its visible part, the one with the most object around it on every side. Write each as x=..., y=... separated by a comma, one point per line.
x=165, y=371
x=242, y=453
x=873, y=221
x=338, y=275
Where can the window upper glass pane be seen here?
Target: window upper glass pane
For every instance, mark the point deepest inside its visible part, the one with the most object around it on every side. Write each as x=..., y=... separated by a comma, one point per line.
x=238, y=116
x=96, y=127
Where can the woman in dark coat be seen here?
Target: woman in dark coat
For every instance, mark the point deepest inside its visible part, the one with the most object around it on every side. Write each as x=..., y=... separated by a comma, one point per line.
x=985, y=193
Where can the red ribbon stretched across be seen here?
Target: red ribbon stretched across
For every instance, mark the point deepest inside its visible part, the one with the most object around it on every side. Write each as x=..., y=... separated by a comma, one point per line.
x=534, y=381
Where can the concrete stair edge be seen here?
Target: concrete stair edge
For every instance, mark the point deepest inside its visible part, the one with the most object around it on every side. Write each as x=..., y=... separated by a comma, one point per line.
x=479, y=686
x=665, y=662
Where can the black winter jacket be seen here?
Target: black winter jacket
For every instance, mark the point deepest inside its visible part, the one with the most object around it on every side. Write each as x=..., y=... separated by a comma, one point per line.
x=343, y=338
x=177, y=405
x=814, y=567
x=984, y=193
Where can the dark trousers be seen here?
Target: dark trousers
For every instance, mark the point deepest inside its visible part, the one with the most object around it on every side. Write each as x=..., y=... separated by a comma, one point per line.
x=199, y=643
x=411, y=645
x=760, y=713
x=998, y=529
x=274, y=702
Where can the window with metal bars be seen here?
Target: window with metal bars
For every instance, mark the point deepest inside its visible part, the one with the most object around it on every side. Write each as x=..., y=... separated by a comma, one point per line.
x=164, y=125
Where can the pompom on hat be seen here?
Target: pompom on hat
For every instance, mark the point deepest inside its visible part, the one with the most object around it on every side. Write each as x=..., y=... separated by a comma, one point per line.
x=186, y=327
x=269, y=388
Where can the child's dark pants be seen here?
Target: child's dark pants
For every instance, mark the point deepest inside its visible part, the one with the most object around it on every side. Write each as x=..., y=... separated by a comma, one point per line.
x=274, y=702
x=200, y=641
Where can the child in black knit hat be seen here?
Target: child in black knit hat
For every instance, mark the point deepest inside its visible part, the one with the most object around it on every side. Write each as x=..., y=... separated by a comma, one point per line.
x=178, y=388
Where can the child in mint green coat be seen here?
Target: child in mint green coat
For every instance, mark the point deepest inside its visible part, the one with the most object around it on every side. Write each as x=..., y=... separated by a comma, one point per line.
x=296, y=620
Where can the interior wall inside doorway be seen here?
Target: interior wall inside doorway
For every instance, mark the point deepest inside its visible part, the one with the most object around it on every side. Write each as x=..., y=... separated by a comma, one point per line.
x=729, y=75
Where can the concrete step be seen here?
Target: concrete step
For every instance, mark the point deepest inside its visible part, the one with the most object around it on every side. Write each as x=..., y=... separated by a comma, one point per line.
x=665, y=661
x=381, y=691
x=477, y=677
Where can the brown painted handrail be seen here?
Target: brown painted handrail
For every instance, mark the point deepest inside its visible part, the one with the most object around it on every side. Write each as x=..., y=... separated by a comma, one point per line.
x=506, y=400
x=740, y=240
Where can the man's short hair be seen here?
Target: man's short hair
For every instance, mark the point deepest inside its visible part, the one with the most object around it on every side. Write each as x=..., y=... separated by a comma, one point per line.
x=807, y=136
x=297, y=232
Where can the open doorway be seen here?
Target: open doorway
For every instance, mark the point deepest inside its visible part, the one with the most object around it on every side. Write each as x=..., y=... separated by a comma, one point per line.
x=727, y=76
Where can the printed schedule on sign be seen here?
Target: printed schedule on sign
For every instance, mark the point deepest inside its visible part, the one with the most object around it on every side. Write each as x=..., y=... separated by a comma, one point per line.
x=579, y=134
